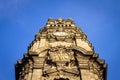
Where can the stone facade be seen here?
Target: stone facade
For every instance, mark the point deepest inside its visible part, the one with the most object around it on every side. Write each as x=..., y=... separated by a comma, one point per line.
x=60, y=51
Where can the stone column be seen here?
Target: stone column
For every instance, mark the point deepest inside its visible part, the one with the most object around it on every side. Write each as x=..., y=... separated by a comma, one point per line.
x=37, y=73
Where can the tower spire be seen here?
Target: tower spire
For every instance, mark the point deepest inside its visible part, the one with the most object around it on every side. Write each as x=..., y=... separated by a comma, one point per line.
x=60, y=51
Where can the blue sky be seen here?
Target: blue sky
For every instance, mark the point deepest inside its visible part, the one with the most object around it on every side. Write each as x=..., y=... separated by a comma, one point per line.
x=20, y=20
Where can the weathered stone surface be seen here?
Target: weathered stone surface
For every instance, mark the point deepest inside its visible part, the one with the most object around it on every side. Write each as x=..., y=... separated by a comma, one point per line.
x=60, y=51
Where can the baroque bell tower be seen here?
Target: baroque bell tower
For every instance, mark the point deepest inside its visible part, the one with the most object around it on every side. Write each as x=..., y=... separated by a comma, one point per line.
x=60, y=51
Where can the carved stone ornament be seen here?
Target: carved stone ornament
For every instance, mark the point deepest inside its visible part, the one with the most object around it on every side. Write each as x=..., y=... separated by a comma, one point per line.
x=61, y=51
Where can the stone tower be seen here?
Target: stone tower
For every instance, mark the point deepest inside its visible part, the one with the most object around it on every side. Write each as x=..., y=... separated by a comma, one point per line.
x=60, y=51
